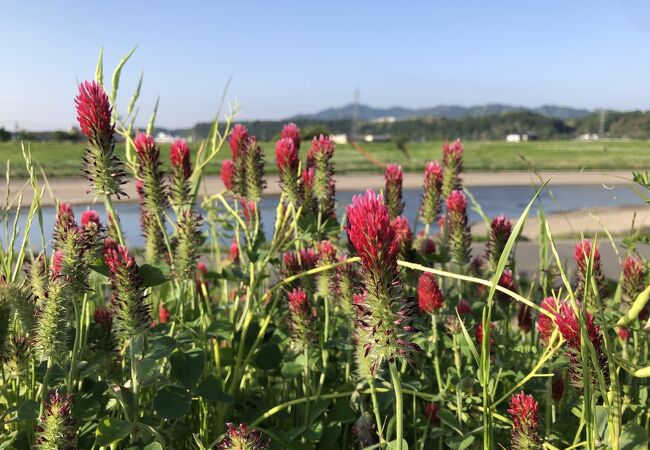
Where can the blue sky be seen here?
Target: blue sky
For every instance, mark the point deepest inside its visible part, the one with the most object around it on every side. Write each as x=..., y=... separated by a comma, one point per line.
x=289, y=57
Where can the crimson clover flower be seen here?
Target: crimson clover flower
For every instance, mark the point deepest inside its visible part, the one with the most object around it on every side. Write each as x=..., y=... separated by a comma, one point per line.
x=498, y=235
x=430, y=297
x=394, y=176
x=186, y=244
x=181, y=170
x=403, y=235
x=102, y=167
x=581, y=255
x=308, y=199
x=129, y=305
x=525, y=417
x=233, y=252
x=524, y=318
x=463, y=307
x=568, y=323
x=635, y=276
x=546, y=324
x=286, y=156
x=68, y=280
x=479, y=334
x=431, y=201
x=457, y=227
x=431, y=412
x=93, y=231
x=294, y=263
x=452, y=163
x=291, y=131
x=228, y=174
x=64, y=222
x=237, y=141
x=56, y=427
x=241, y=438
x=301, y=319
x=150, y=173
x=390, y=314
x=245, y=176
x=154, y=248
x=319, y=158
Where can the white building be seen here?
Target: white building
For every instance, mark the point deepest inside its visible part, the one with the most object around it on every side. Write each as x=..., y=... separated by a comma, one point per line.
x=339, y=138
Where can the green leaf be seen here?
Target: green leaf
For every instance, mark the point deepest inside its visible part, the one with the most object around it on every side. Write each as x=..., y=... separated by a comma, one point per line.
x=161, y=347
x=314, y=432
x=152, y=276
x=99, y=69
x=187, y=367
x=172, y=402
x=116, y=75
x=28, y=410
x=210, y=389
x=221, y=328
x=633, y=437
x=461, y=442
x=393, y=444
x=291, y=369
x=342, y=412
x=85, y=408
x=111, y=430
x=101, y=269
x=268, y=357
x=330, y=434
x=153, y=446
x=146, y=369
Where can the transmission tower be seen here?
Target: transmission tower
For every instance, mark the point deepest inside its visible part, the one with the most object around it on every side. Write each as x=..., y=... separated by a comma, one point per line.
x=355, y=115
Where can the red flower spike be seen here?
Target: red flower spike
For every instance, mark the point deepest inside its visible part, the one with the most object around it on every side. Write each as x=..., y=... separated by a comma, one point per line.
x=233, y=252
x=94, y=113
x=371, y=233
x=403, y=234
x=90, y=217
x=479, y=335
x=241, y=438
x=430, y=297
x=431, y=412
x=163, y=314
x=291, y=131
x=238, y=140
x=545, y=324
x=179, y=156
x=463, y=307
x=430, y=203
x=228, y=174
x=525, y=417
x=568, y=323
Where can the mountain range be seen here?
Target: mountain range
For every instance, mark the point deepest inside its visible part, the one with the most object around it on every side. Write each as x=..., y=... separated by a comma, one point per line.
x=365, y=112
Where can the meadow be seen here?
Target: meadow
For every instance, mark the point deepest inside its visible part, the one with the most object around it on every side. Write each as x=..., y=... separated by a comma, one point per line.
x=358, y=334
x=61, y=158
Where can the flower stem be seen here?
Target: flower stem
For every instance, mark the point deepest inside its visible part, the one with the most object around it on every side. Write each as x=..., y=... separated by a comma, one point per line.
x=111, y=210
x=399, y=405
x=134, y=380
x=375, y=408
x=436, y=362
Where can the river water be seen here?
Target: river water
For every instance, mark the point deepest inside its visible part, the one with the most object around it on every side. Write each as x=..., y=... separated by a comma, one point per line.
x=494, y=200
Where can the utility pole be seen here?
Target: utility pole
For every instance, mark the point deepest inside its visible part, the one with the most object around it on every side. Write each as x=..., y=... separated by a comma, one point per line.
x=601, y=126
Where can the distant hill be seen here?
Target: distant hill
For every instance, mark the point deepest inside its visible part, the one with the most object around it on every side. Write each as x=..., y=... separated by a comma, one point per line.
x=366, y=112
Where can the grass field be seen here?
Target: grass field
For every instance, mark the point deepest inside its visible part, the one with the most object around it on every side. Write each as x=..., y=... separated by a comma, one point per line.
x=63, y=159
